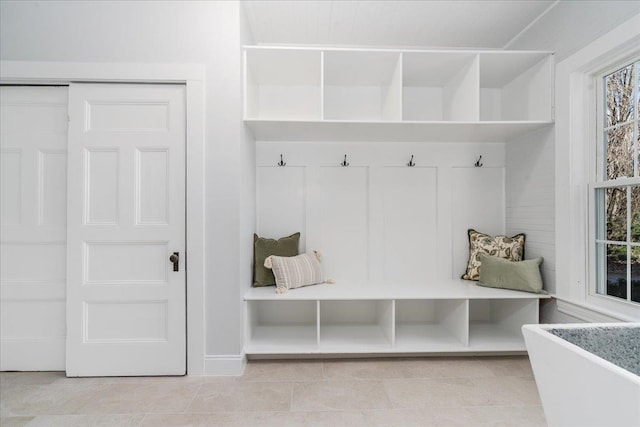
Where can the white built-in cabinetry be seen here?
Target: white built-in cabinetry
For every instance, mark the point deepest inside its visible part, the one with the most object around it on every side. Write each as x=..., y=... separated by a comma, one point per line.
x=391, y=95
x=394, y=237
x=451, y=316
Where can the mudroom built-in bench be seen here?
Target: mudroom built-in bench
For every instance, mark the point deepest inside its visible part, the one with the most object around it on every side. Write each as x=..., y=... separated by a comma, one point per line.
x=448, y=317
x=383, y=160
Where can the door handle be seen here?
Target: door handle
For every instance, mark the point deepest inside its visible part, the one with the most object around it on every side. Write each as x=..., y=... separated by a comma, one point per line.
x=175, y=259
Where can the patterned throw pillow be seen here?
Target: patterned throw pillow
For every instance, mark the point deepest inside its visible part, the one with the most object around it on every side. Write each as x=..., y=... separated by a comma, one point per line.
x=511, y=248
x=296, y=271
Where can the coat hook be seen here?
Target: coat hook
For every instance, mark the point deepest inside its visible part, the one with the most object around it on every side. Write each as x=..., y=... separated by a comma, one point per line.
x=281, y=162
x=344, y=163
x=477, y=163
x=411, y=163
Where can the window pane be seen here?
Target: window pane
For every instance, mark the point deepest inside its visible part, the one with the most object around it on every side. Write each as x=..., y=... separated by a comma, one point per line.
x=601, y=215
x=637, y=112
x=635, y=274
x=601, y=268
x=635, y=214
x=617, y=271
x=619, y=144
x=638, y=85
x=616, y=211
x=619, y=93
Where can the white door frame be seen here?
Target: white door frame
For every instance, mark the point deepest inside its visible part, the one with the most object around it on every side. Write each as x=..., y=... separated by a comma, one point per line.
x=193, y=76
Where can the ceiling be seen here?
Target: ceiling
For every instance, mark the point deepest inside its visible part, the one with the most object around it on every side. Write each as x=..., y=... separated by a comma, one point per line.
x=401, y=23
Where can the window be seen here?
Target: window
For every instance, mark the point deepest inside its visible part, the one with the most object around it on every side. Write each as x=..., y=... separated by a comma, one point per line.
x=616, y=185
x=581, y=143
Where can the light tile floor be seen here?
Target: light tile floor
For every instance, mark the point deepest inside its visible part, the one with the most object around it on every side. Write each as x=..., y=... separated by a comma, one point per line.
x=440, y=391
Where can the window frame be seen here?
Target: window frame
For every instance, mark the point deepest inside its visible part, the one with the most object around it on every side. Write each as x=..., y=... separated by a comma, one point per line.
x=574, y=153
x=596, y=174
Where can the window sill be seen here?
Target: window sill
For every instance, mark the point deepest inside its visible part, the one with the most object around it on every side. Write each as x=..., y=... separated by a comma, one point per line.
x=591, y=313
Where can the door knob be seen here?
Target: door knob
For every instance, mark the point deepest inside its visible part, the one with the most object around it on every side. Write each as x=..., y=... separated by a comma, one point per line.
x=175, y=259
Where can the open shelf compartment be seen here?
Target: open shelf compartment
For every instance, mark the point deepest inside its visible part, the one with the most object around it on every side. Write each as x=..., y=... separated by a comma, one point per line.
x=362, y=86
x=516, y=86
x=283, y=84
x=356, y=325
x=431, y=325
x=440, y=86
x=282, y=326
x=495, y=324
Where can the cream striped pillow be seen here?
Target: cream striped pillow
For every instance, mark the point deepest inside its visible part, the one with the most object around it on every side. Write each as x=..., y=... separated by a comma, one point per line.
x=296, y=271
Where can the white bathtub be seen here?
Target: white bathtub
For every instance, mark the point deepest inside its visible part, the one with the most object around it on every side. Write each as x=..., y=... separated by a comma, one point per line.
x=578, y=388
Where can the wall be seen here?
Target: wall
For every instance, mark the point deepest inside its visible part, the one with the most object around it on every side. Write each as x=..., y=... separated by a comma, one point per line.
x=531, y=184
x=379, y=220
x=248, y=191
x=207, y=33
x=530, y=190
x=530, y=207
x=210, y=33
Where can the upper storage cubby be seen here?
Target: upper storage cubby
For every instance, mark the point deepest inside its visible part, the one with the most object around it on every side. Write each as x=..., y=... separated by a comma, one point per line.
x=516, y=86
x=362, y=86
x=332, y=94
x=283, y=84
x=440, y=86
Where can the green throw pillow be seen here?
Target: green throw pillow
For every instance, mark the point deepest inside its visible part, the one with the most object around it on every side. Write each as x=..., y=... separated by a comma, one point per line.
x=262, y=248
x=498, y=272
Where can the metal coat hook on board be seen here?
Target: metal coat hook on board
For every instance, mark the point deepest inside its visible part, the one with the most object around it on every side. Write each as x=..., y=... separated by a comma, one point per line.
x=411, y=163
x=344, y=162
x=281, y=162
x=477, y=163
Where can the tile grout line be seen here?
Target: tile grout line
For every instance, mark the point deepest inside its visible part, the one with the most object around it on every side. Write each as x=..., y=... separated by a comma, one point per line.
x=192, y=399
x=291, y=397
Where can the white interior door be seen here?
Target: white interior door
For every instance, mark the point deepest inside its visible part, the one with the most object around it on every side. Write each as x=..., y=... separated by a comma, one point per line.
x=33, y=129
x=126, y=218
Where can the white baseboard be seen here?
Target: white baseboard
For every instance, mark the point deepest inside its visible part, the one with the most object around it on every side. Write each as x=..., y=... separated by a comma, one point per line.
x=586, y=313
x=224, y=365
x=32, y=354
x=48, y=354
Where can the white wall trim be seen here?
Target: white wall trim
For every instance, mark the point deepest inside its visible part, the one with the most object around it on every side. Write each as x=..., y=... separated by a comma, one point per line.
x=225, y=365
x=64, y=72
x=193, y=76
x=589, y=313
x=37, y=354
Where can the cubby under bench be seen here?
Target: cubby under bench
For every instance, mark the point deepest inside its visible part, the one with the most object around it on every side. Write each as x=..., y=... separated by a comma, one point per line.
x=456, y=316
